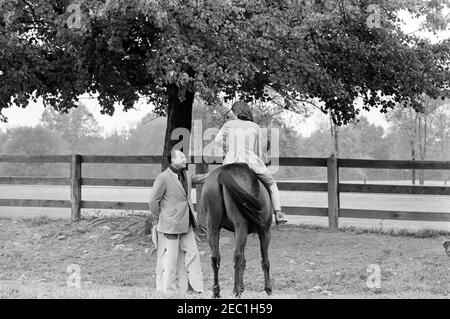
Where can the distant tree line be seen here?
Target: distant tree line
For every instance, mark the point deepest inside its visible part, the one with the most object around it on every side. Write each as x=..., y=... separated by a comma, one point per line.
x=421, y=136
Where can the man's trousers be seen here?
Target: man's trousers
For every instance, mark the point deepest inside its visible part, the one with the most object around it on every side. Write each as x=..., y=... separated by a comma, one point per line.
x=178, y=263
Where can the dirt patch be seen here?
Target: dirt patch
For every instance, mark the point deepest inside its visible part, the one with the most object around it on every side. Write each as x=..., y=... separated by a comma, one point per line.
x=305, y=263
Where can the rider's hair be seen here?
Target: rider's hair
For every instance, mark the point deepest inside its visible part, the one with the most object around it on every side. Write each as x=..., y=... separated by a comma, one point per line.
x=242, y=111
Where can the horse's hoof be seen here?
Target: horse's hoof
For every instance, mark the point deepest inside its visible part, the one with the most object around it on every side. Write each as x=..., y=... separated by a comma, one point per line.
x=214, y=296
x=269, y=291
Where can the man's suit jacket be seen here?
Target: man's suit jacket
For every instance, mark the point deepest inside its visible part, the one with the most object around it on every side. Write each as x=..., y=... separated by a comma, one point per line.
x=170, y=204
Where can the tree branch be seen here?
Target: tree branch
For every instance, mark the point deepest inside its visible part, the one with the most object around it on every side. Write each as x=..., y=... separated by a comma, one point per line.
x=287, y=97
x=31, y=10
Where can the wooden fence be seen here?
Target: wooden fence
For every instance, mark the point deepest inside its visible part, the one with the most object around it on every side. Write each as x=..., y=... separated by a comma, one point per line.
x=332, y=187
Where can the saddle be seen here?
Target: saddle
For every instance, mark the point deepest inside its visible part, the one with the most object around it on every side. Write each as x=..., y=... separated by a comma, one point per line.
x=267, y=186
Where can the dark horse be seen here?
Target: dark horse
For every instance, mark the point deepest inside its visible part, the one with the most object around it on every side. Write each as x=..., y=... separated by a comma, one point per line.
x=235, y=199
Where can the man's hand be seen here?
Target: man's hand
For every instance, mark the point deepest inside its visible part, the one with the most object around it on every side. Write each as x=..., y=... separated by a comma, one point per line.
x=157, y=193
x=199, y=178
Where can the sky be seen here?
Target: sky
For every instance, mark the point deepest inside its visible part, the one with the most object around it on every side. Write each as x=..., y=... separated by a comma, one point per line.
x=123, y=121
x=120, y=121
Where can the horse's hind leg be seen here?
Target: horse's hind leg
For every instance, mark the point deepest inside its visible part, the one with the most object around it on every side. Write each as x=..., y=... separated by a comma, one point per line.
x=264, y=239
x=239, y=259
x=214, y=235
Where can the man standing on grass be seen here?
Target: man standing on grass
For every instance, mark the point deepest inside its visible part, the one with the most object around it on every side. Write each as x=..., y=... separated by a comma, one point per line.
x=178, y=260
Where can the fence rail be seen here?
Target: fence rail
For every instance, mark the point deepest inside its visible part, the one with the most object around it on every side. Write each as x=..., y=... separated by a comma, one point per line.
x=333, y=187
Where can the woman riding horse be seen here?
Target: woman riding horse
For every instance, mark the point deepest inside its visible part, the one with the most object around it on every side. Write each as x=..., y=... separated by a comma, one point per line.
x=240, y=138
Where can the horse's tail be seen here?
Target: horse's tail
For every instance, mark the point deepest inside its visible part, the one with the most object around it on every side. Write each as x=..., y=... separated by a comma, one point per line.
x=247, y=203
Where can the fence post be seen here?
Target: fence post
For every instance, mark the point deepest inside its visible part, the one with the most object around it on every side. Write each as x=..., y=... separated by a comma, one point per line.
x=200, y=168
x=75, y=186
x=333, y=195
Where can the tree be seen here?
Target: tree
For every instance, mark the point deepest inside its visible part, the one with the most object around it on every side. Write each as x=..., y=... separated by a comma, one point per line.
x=416, y=129
x=78, y=126
x=425, y=126
x=405, y=125
x=206, y=115
x=169, y=50
x=360, y=139
x=3, y=138
x=442, y=136
x=33, y=141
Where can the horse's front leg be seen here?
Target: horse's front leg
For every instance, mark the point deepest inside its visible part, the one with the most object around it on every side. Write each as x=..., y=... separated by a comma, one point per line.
x=239, y=260
x=214, y=235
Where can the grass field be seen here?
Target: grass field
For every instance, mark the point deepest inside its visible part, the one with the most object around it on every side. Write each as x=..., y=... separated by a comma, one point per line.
x=424, y=203
x=306, y=262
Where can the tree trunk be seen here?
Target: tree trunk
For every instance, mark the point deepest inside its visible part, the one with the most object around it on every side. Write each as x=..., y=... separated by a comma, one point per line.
x=179, y=115
x=419, y=132
x=442, y=146
x=444, y=155
x=413, y=148
x=413, y=157
x=335, y=133
x=336, y=141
